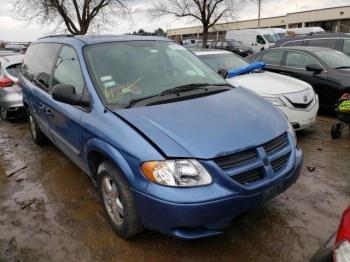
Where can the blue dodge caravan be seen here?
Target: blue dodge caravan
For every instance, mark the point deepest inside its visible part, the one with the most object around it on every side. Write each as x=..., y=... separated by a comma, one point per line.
x=170, y=145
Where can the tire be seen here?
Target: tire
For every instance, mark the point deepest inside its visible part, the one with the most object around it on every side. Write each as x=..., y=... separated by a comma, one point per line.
x=118, y=201
x=38, y=136
x=336, y=131
x=3, y=114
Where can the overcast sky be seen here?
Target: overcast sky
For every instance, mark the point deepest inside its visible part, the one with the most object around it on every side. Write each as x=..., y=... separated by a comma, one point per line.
x=12, y=29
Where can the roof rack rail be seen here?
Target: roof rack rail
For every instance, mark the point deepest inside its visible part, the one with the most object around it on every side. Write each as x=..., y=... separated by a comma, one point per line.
x=65, y=35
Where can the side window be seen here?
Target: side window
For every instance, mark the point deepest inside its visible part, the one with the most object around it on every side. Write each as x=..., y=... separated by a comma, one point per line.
x=224, y=44
x=299, y=60
x=293, y=43
x=272, y=57
x=38, y=63
x=260, y=40
x=330, y=43
x=346, y=47
x=67, y=70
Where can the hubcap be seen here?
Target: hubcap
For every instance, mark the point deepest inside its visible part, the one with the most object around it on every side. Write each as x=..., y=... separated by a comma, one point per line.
x=32, y=126
x=112, y=201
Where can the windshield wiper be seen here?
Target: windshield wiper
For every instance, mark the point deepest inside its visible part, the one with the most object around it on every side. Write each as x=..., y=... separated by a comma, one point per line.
x=342, y=67
x=189, y=87
x=175, y=90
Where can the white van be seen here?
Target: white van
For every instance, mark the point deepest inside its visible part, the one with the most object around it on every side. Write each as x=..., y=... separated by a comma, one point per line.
x=257, y=39
x=281, y=33
x=305, y=30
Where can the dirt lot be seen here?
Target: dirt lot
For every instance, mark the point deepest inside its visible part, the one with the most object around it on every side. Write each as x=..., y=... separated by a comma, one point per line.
x=49, y=210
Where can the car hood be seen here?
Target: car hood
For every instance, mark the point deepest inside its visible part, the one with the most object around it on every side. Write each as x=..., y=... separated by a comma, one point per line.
x=269, y=83
x=209, y=126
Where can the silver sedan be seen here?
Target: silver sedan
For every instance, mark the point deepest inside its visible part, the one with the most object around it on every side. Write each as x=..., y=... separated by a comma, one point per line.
x=11, y=104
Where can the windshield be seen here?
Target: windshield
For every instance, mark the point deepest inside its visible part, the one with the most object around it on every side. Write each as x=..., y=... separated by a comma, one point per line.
x=334, y=59
x=126, y=71
x=228, y=61
x=270, y=38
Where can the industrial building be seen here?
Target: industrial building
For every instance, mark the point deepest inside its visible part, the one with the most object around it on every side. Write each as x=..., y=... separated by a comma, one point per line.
x=336, y=19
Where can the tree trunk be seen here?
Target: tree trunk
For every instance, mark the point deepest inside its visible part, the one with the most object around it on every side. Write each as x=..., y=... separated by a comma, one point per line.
x=205, y=36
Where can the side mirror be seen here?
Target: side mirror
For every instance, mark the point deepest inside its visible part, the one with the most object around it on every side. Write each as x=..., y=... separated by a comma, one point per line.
x=66, y=94
x=223, y=72
x=314, y=68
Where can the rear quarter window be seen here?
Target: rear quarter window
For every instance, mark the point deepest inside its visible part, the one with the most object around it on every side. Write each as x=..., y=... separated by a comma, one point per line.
x=38, y=63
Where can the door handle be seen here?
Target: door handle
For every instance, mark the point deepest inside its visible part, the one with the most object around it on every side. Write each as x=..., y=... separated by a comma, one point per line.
x=49, y=112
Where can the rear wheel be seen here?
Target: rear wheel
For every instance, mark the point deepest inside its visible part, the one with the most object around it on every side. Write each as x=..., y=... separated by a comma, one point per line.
x=38, y=136
x=3, y=113
x=118, y=201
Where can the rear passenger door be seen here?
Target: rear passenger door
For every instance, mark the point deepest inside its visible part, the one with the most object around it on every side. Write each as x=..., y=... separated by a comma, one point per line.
x=295, y=66
x=64, y=119
x=36, y=70
x=272, y=59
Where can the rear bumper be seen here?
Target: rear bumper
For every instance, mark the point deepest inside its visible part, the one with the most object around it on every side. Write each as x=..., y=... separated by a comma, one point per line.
x=202, y=219
x=325, y=253
x=11, y=101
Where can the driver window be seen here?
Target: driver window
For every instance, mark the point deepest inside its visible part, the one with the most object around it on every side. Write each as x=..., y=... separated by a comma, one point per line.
x=299, y=60
x=67, y=70
x=260, y=40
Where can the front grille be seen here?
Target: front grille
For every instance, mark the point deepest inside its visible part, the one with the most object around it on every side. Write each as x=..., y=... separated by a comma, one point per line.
x=279, y=163
x=302, y=106
x=248, y=177
x=276, y=144
x=228, y=162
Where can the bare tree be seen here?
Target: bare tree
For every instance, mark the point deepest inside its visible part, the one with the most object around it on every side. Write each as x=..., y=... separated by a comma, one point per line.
x=208, y=12
x=77, y=15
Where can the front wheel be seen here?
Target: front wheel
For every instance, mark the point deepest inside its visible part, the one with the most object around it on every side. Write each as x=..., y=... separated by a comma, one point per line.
x=118, y=201
x=336, y=130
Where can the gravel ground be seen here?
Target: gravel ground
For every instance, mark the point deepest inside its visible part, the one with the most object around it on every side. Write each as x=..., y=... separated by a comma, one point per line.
x=49, y=210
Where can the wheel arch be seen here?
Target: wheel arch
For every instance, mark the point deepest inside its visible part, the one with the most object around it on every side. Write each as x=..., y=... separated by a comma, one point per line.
x=97, y=151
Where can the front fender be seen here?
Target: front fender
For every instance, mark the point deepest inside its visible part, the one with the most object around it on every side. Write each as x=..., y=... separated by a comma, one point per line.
x=127, y=164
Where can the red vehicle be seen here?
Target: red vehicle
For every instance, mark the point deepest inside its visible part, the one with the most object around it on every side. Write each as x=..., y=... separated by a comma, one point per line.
x=337, y=248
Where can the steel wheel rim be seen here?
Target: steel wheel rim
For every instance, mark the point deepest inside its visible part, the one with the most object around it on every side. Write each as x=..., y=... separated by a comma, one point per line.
x=32, y=126
x=112, y=200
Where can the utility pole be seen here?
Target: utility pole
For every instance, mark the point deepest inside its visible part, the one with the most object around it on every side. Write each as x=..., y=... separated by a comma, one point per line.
x=259, y=11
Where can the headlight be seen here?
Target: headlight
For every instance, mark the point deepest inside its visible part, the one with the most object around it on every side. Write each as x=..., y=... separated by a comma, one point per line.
x=274, y=100
x=176, y=173
x=292, y=131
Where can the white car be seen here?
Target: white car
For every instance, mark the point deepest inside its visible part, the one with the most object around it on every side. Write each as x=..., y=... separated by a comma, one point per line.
x=294, y=97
